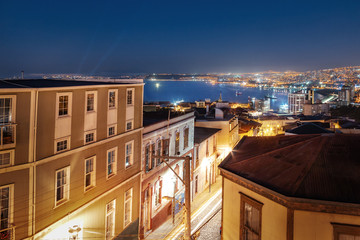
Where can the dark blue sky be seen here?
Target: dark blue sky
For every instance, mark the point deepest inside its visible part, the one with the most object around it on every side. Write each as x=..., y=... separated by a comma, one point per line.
x=95, y=37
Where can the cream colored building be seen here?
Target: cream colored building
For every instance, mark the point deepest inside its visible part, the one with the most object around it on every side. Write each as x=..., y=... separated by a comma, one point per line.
x=70, y=158
x=292, y=188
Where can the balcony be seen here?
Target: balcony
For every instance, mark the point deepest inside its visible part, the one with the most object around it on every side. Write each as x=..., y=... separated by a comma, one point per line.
x=7, y=135
x=7, y=233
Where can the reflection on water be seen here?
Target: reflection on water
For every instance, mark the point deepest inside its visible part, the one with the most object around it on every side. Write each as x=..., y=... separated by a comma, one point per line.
x=191, y=91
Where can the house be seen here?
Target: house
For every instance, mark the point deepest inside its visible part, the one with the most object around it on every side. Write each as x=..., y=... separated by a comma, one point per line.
x=299, y=187
x=70, y=158
x=165, y=133
x=206, y=159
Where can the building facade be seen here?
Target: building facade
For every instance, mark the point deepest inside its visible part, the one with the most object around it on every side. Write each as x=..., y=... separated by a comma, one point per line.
x=70, y=155
x=162, y=193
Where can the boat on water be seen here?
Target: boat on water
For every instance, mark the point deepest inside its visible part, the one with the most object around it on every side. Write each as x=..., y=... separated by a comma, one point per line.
x=238, y=93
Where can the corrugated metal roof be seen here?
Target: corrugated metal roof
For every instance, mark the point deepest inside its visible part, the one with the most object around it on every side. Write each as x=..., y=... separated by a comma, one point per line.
x=304, y=166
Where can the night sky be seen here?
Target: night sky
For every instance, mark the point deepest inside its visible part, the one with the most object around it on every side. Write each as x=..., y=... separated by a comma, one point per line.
x=110, y=37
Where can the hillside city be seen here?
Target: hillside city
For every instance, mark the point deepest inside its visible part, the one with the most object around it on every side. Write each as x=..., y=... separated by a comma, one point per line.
x=85, y=157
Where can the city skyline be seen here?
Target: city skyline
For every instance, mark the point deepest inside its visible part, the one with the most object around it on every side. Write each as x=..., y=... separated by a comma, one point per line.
x=94, y=38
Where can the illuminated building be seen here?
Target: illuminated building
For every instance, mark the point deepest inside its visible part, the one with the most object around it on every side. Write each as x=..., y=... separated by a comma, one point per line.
x=296, y=102
x=169, y=134
x=70, y=158
x=292, y=188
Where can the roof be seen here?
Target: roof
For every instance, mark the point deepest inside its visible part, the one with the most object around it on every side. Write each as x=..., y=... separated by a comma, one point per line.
x=49, y=83
x=202, y=133
x=308, y=128
x=320, y=167
x=150, y=118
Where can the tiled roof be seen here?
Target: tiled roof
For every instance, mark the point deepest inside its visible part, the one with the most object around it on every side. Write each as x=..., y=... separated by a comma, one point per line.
x=321, y=167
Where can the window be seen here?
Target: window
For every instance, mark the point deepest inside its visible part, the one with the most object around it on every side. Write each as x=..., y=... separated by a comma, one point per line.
x=207, y=148
x=129, y=125
x=130, y=96
x=89, y=173
x=177, y=143
x=127, y=207
x=152, y=153
x=110, y=220
x=157, y=192
x=147, y=158
x=62, y=144
x=165, y=144
x=90, y=137
x=64, y=104
x=214, y=143
x=90, y=101
x=7, y=118
x=196, y=184
x=346, y=231
x=129, y=153
x=111, y=162
x=6, y=158
x=6, y=206
x=197, y=157
x=62, y=185
x=186, y=138
x=250, y=218
x=111, y=130
x=158, y=152
x=112, y=98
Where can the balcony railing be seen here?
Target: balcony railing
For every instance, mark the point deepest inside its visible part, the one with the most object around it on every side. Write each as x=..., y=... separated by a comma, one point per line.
x=7, y=233
x=7, y=134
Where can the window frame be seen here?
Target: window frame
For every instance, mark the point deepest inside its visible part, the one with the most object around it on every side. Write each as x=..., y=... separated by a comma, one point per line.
x=87, y=133
x=66, y=190
x=130, y=207
x=108, y=176
x=158, y=151
x=10, y=216
x=92, y=174
x=115, y=99
x=253, y=203
x=11, y=123
x=147, y=157
x=349, y=229
x=12, y=157
x=61, y=140
x=157, y=193
x=115, y=130
x=132, y=125
x=87, y=93
x=69, y=112
x=186, y=137
x=113, y=213
x=177, y=143
x=132, y=90
x=131, y=155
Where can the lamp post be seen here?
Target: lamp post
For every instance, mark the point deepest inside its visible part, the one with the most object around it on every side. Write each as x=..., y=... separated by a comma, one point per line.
x=186, y=182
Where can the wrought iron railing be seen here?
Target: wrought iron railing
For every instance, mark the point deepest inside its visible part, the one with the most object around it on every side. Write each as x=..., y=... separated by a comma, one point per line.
x=7, y=233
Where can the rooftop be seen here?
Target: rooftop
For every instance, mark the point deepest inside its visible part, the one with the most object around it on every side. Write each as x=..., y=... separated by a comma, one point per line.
x=319, y=167
x=150, y=118
x=202, y=133
x=308, y=128
x=49, y=83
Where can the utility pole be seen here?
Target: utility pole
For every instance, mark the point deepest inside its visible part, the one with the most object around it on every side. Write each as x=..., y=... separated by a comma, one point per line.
x=186, y=182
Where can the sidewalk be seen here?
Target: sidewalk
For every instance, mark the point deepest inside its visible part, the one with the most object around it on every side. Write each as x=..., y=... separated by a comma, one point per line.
x=167, y=227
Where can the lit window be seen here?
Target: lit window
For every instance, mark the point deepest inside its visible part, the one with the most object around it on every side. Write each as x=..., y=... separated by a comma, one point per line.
x=177, y=143
x=129, y=96
x=62, y=185
x=250, y=219
x=129, y=125
x=157, y=193
x=111, y=131
x=6, y=158
x=129, y=154
x=63, y=105
x=346, y=231
x=110, y=220
x=111, y=162
x=62, y=145
x=6, y=206
x=89, y=173
x=127, y=207
x=112, y=98
x=89, y=137
x=186, y=138
x=90, y=102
